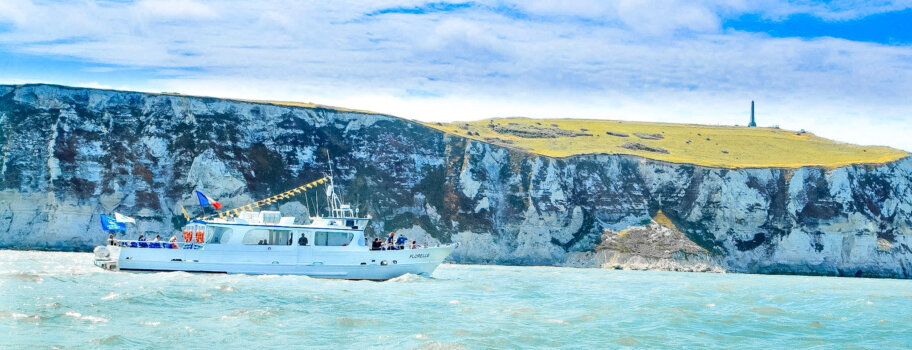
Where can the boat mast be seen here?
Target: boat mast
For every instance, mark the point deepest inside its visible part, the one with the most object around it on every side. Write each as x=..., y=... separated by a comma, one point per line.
x=337, y=209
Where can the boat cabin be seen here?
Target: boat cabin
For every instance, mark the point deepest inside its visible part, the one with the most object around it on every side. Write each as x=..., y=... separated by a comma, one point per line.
x=272, y=229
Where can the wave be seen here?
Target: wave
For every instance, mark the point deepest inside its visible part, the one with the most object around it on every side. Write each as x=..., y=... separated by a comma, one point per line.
x=440, y=346
x=90, y=318
x=23, y=276
x=409, y=278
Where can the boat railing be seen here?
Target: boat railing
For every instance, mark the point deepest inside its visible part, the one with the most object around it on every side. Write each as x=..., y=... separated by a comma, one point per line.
x=157, y=244
x=192, y=245
x=419, y=247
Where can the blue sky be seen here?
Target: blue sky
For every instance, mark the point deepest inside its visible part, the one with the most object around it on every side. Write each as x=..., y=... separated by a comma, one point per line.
x=841, y=69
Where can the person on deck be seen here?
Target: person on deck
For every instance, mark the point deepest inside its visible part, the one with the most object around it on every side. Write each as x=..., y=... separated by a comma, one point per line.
x=173, y=242
x=302, y=240
x=377, y=244
x=400, y=242
x=390, y=241
x=111, y=240
x=142, y=241
x=414, y=244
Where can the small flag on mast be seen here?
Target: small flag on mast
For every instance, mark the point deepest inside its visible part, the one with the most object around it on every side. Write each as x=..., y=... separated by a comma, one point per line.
x=123, y=218
x=186, y=216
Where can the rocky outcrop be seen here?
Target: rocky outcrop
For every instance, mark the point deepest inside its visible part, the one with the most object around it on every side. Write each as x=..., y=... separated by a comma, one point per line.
x=69, y=154
x=653, y=246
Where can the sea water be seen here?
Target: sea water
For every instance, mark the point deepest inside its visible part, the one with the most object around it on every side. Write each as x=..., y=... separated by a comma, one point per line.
x=60, y=300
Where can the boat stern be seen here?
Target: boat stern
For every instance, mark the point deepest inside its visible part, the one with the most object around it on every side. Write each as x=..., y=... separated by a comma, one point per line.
x=106, y=256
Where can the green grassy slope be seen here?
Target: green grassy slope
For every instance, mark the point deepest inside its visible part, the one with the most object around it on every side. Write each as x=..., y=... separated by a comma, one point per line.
x=714, y=146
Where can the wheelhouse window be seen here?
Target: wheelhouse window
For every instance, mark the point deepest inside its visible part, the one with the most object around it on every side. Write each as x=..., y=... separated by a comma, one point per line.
x=330, y=238
x=267, y=237
x=218, y=235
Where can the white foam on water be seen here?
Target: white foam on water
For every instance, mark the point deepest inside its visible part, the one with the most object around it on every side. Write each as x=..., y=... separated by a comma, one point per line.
x=440, y=346
x=90, y=318
x=109, y=296
x=226, y=288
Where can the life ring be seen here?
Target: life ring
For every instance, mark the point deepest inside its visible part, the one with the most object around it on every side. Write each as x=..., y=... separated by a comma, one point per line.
x=188, y=235
x=199, y=236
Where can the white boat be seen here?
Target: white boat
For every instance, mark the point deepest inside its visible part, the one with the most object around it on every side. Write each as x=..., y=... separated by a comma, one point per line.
x=264, y=242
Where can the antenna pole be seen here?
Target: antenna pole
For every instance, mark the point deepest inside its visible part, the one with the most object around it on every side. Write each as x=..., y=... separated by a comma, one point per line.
x=334, y=200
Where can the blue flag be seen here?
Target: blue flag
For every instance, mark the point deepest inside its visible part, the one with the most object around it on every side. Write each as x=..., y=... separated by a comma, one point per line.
x=108, y=224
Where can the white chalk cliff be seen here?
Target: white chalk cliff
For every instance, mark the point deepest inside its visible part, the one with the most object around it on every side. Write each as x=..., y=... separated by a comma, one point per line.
x=69, y=154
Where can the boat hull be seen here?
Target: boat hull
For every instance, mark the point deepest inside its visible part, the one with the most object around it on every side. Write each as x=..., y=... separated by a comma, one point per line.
x=322, y=262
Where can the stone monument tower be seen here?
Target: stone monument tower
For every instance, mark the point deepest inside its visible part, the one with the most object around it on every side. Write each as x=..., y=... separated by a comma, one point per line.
x=752, y=124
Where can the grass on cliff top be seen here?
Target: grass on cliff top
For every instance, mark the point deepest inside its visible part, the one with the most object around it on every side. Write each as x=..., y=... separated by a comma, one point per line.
x=314, y=105
x=280, y=103
x=706, y=145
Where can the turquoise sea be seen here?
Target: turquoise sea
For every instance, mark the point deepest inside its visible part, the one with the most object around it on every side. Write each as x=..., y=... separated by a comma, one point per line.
x=60, y=300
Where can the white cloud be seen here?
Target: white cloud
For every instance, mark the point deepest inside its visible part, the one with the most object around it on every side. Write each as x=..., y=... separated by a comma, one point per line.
x=837, y=10
x=173, y=9
x=639, y=60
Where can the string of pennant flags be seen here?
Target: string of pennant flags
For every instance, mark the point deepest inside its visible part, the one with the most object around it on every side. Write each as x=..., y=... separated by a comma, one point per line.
x=236, y=212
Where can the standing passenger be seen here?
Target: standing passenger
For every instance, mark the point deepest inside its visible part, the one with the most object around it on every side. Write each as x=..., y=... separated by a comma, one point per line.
x=400, y=242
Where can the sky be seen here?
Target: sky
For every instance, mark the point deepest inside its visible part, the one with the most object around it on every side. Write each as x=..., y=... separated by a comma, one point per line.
x=841, y=69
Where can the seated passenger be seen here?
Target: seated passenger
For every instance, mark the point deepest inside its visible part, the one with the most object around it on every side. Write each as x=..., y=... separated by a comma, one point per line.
x=377, y=244
x=173, y=242
x=390, y=240
x=142, y=240
x=414, y=244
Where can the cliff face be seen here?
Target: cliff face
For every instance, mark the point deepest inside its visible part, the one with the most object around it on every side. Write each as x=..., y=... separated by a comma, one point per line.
x=69, y=154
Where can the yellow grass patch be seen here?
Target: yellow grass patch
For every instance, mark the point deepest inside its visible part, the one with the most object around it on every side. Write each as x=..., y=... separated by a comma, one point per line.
x=706, y=145
x=663, y=220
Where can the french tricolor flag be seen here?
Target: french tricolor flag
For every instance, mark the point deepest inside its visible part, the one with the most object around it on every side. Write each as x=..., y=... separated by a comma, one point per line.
x=205, y=200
